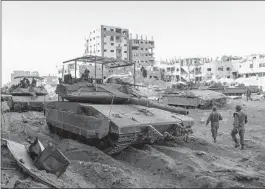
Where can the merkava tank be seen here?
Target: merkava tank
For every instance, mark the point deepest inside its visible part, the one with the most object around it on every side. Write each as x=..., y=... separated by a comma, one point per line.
x=111, y=115
x=26, y=96
x=181, y=95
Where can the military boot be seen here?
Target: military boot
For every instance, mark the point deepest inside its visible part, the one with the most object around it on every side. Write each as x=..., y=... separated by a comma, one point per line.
x=242, y=147
x=236, y=143
x=214, y=140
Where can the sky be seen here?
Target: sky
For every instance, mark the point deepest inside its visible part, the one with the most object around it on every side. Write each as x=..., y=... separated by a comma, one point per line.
x=37, y=36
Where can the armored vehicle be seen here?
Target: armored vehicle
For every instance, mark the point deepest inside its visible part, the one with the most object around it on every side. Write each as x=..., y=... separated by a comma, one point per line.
x=111, y=115
x=26, y=95
x=179, y=95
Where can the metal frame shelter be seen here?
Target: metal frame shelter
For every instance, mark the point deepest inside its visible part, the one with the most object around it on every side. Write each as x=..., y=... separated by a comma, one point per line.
x=36, y=77
x=104, y=61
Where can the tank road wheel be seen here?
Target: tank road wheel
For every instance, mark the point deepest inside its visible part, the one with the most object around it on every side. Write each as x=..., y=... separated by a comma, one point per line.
x=17, y=108
x=51, y=128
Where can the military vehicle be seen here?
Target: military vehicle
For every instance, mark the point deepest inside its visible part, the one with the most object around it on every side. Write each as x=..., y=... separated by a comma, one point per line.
x=27, y=96
x=180, y=95
x=111, y=115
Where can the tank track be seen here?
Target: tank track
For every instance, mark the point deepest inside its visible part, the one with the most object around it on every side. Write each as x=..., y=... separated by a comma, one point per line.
x=122, y=143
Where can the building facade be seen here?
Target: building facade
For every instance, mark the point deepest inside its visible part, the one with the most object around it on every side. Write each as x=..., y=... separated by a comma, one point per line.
x=251, y=66
x=108, y=41
x=141, y=51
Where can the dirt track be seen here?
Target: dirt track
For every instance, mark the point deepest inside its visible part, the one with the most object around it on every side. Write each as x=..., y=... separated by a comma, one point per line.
x=199, y=163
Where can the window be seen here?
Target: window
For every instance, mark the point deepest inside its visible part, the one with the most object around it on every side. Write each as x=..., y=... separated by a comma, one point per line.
x=98, y=50
x=105, y=29
x=111, y=50
x=168, y=69
x=220, y=68
x=112, y=44
x=117, y=37
x=251, y=65
x=262, y=65
x=125, y=51
x=105, y=50
x=146, y=49
x=111, y=38
x=125, y=45
x=209, y=69
x=142, y=42
x=94, y=38
x=98, y=43
x=105, y=43
x=228, y=69
x=146, y=61
x=142, y=49
x=94, y=31
x=111, y=29
x=118, y=30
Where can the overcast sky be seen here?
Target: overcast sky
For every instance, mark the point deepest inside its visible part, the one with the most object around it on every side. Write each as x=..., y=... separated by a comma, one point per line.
x=40, y=35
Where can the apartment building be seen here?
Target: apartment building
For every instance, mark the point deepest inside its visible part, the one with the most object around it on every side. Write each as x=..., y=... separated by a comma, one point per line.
x=108, y=41
x=253, y=65
x=141, y=51
x=21, y=73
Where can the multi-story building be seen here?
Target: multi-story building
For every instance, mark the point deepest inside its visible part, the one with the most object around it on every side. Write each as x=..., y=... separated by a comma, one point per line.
x=108, y=41
x=141, y=51
x=21, y=73
x=251, y=66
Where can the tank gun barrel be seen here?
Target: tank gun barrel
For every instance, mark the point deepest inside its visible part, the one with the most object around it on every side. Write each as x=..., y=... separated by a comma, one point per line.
x=152, y=104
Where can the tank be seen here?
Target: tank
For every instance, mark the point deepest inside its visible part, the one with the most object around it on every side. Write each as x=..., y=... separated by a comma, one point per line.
x=112, y=115
x=177, y=95
x=27, y=97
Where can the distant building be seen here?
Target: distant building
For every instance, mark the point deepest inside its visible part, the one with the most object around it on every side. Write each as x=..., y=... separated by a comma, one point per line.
x=141, y=51
x=22, y=73
x=253, y=65
x=50, y=80
x=108, y=41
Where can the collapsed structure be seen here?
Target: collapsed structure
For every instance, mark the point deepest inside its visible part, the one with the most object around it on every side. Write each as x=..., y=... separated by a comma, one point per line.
x=111, y=116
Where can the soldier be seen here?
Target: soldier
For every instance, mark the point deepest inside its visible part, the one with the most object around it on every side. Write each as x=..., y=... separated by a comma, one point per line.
x=214, y=117
x=248, y=93
x=34, y=82
x=27, y=82
x=240, y=119
x=23, y=82
x=85, y=75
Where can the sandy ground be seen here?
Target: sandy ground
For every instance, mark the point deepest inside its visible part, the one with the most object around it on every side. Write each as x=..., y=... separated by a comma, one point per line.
x=199, y=163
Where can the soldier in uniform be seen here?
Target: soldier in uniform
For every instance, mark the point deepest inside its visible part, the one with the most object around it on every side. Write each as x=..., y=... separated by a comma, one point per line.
x=248, y=93
x=240, y=119
x=85, y=75
x=34, y=82
x=214, y=118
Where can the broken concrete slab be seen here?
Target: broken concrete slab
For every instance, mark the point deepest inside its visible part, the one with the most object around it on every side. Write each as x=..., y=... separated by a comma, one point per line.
x=23, y=159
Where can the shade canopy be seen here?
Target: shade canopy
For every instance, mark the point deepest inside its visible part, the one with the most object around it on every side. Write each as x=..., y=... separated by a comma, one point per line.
x=108, y=62
x=36, y=77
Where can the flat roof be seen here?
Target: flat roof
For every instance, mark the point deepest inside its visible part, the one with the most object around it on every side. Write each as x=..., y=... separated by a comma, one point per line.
x=37, y=77
x=109, y=62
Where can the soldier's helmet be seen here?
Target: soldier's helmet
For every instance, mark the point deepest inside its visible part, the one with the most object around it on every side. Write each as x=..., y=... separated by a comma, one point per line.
x=238, y=107
x=214, y=108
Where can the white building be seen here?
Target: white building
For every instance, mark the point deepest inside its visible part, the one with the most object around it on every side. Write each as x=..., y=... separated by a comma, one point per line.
x=108, y=41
